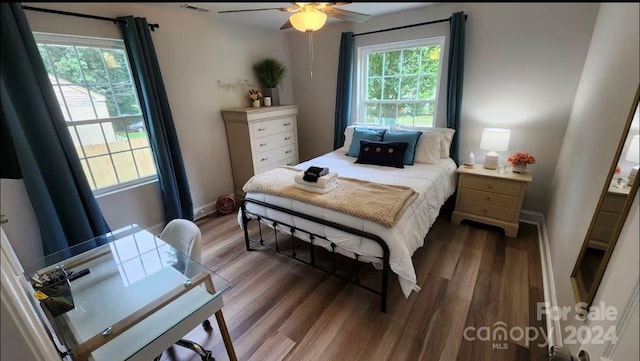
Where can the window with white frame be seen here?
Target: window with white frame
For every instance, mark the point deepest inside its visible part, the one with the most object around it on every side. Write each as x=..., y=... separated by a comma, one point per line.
x=92, y=80
x=398, y=82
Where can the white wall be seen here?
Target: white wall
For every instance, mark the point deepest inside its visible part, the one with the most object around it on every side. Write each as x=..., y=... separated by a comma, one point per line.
x=522, y=67
x=602, y=104
x=195, y=52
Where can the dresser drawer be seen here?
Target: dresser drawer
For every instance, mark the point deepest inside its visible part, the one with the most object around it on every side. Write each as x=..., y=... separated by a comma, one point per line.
x=274, y=141
x=287, y=161
x=275, y=155
x=492, y=185
x=270, y=127
x=485, y=210
x=489, y=198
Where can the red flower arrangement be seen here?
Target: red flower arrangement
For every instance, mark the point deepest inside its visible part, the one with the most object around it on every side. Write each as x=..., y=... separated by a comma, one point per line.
x=522, y=158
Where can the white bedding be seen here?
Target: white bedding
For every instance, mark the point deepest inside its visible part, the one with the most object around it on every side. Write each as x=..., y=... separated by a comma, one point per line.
x=433, y=182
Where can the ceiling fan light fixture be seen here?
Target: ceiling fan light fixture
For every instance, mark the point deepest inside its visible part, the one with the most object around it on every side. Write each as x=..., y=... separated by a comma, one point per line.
x=308, y=19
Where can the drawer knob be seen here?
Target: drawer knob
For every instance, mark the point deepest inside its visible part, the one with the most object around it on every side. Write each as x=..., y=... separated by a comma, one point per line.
x=287, y=138
x=263, y=159
x=286, y=124
x=288, y=151
x=261, y=129
x=487, y=198
x=262, y=144
x=490, y=186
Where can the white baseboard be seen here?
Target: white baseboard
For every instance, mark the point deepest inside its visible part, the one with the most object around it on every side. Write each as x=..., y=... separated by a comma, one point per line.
x=205, y=210
x=548, y=283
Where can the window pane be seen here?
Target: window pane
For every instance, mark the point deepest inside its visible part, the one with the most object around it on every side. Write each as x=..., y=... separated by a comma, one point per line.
x=117, y=66
x=390, y=91
x=119, y=141
x=103, y=101
x=375, y=64
x=125, y=167
x=427, y=87
x=388, y=114
x=63, y=108
x=92, y=140
x=410, y=61
x=92, y=65
x=102, y=171
x=405, y=113
x=373, y=114
x=78, y=102
x=430, y=59
x=409, y=88
x=374, y=89
x=76, y=142
x=392, y=62
x=65, y=62
x=144, y=159
x=47, y=64
x=126, y=99
x=85, y=168
x=424, y=114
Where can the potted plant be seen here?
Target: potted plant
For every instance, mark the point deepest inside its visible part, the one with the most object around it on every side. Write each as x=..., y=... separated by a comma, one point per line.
x=270, y=73
x=255, y=96
x=520, y=160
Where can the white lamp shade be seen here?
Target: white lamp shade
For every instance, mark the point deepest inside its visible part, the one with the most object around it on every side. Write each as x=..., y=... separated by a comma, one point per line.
x=633, y=153
x=308, y=19
x=495, y=139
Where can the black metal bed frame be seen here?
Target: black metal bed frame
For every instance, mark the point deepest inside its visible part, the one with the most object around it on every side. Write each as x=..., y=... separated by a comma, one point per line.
x=274, y=223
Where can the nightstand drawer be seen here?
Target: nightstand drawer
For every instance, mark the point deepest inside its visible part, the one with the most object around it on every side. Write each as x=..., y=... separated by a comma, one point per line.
x=492, y=185
x=269, y=127
x=486, y=210
x=489, y=198
x=274, y=141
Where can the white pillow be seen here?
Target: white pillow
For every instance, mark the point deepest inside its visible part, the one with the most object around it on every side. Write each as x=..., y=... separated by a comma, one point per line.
x=429, y=149
x=348, y=133
x=445, y=141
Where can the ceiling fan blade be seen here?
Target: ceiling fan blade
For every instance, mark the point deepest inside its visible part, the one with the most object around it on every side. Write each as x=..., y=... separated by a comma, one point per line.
x=346, y=15
x=240, y=11
x=286, y=25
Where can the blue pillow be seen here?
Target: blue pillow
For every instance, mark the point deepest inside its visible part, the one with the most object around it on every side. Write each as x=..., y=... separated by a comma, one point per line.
x=412, y=141
x=386, y=154
x=363, y=134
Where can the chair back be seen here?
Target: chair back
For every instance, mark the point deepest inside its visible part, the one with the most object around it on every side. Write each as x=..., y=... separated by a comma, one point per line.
x=185, y=236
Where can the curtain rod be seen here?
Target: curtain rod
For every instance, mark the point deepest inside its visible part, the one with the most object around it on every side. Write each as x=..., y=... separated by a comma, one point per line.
x=408, y=26
x=60, y=12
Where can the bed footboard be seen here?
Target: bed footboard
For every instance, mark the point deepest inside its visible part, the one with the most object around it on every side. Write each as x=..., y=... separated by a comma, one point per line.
x=292, y=229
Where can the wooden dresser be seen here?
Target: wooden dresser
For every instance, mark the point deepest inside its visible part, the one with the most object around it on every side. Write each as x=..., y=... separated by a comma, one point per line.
x=490, y=197
x=260, y=139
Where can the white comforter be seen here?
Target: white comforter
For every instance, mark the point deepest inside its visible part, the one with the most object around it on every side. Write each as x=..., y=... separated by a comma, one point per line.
x=433, y=182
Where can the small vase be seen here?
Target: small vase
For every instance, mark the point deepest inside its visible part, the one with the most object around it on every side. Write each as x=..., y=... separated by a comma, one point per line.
x=256, y=103
x=519, y=168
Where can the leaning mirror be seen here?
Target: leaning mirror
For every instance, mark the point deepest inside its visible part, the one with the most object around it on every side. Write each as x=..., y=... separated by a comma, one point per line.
x=611, y=212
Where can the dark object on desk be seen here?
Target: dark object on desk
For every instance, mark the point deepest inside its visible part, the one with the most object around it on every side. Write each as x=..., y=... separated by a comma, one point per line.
x=56, y=298
x=313, y=173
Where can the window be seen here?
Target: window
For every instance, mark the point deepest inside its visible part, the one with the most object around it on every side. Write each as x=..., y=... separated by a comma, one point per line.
x=92, y=81
x=398, y=82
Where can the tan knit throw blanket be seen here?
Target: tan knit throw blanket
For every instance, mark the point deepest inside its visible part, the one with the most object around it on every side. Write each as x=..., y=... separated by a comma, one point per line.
x=380, y=203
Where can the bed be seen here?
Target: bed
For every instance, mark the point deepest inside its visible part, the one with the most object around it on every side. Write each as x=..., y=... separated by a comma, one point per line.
x=362, y=239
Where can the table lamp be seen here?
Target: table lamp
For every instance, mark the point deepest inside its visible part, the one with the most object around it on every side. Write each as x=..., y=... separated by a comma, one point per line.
x=633, y=155
x=493, y=140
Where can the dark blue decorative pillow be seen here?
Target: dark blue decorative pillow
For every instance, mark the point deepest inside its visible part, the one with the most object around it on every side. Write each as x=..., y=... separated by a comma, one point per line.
x=363, y=134
x=387, y=154
x=412, y=142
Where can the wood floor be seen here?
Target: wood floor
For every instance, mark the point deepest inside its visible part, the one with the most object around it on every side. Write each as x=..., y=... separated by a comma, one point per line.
x=471, y=275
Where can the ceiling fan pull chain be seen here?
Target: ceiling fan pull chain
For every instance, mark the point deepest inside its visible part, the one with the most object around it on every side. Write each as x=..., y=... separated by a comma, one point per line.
x=310, y=54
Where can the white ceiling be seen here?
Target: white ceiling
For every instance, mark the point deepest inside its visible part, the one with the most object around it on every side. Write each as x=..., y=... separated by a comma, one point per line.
x=273, y=19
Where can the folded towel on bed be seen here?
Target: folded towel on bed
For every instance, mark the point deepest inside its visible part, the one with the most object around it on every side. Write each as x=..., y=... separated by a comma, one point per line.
x=319, y=190
x=322, y=181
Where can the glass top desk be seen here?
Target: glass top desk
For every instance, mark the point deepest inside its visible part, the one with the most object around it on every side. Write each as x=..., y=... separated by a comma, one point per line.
x=140, y=296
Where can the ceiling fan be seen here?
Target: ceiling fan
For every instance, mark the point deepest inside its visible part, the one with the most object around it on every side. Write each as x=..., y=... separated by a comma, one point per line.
x=308, y=17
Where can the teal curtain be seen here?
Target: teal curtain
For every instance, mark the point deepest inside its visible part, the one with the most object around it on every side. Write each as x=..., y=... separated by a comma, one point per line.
x=174, y=186
x=62, y=200
x=344, y=89
x=455, y=77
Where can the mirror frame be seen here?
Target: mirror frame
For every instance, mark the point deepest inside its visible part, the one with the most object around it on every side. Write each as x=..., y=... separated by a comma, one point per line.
x=587, y=295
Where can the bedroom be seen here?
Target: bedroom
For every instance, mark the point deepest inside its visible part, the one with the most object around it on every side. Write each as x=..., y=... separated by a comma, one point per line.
x=523, y=67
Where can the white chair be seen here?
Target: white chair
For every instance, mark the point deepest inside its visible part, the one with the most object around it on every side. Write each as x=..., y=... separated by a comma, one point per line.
x=185, y=236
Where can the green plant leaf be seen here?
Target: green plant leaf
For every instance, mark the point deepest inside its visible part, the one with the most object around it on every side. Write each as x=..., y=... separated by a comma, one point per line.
x=270, y=72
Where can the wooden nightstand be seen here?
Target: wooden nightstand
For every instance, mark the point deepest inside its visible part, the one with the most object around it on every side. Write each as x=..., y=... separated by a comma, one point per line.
x=490, y=197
